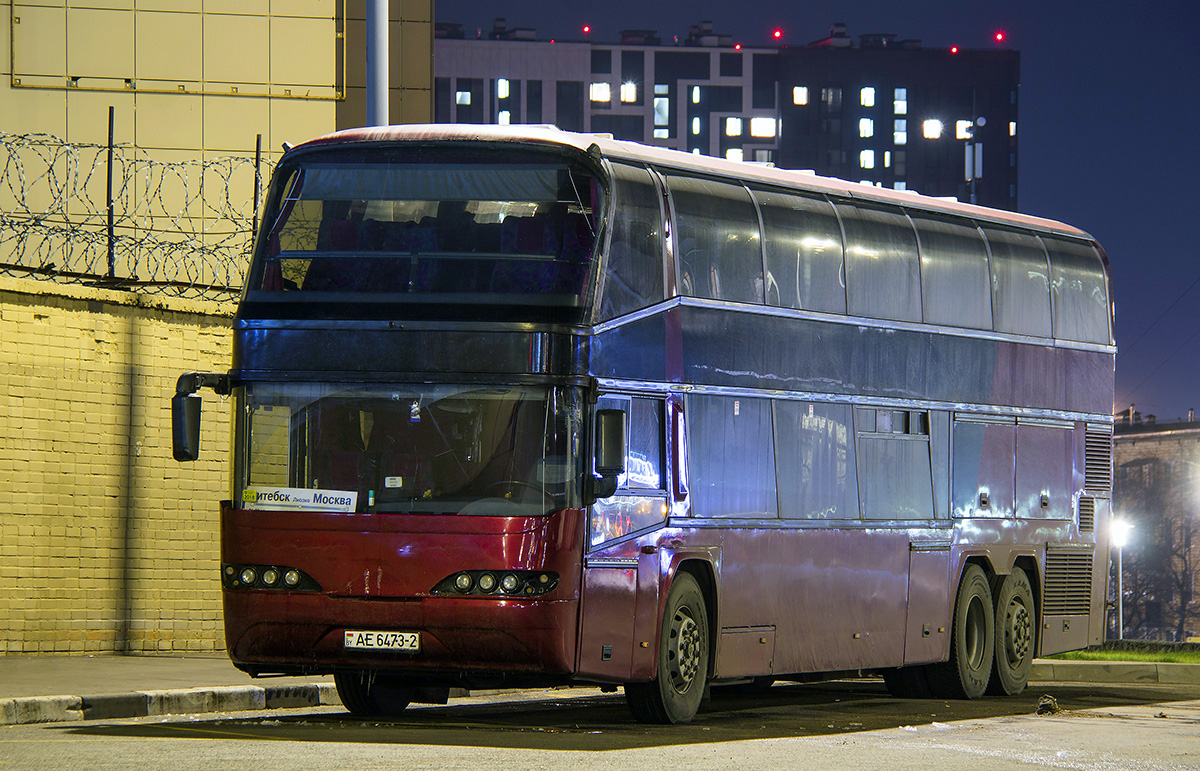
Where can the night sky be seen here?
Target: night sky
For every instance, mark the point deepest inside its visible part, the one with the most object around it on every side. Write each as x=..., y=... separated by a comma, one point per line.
x=1108, y=129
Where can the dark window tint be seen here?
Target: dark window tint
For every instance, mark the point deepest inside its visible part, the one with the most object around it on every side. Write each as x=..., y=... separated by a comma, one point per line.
x=731, y=65
x=601, y=61
x=732, y=471
x=883, y=278
x=533, y=101
x=1020, y=283
x=717, y=240
x=954, y=272
x=1080, y=292
x=568, y=105
x=814, y=461
x=894, y=464
x=803, y=252
x=634, y=275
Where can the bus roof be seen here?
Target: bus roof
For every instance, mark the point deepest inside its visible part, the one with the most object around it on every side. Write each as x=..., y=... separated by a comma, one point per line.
x=634, y=151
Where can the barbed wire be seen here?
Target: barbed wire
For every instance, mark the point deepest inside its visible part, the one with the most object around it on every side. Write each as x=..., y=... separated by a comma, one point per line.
x=178, y=227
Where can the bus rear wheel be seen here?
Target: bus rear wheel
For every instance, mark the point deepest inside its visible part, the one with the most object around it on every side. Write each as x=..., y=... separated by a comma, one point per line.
x=371, y=694
x=966, y=674
x=1016, y=631
x=674, y=695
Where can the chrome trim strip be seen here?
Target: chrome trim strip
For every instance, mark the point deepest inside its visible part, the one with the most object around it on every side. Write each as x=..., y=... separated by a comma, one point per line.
x=966, y=412
x=621, y=564
x=923, y=546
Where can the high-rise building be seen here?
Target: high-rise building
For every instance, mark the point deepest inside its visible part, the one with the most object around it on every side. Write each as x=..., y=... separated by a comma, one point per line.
x=880, y=110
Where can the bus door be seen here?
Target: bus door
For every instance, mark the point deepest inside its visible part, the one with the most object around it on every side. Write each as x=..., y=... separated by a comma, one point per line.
x=621, y=570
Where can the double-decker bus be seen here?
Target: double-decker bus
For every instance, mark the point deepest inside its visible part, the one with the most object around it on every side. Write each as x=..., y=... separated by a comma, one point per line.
x=520, y=406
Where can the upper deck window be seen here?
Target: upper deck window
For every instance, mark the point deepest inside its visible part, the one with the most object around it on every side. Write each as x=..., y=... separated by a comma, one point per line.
x=407, y=229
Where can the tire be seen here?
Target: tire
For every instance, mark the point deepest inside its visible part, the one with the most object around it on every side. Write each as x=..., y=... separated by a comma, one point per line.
x=966, y=674
x=675, y=693
x=1016, y=635
x=907, y=683
x=370, y=694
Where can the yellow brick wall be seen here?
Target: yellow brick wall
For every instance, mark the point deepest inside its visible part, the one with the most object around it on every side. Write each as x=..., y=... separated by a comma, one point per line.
x=107, y=543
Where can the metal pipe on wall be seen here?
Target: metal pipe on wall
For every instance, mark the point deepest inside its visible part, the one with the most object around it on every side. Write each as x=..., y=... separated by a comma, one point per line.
x=377, y=62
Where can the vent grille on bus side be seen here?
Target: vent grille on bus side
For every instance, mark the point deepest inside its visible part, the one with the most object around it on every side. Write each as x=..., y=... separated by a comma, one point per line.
x=1098, y=473
x=1068, y=583
x=1087, y=515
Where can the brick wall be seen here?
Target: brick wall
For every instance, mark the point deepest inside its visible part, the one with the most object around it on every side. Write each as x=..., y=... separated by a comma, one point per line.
x=106, y=543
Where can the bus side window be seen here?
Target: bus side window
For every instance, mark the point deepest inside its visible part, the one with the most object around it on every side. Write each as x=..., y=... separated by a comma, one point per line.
x=1020, y=283
x=1080, y=295
x=719, y=246
x=804, y=257
x=640, y=500
x=883, y=278
x=954, y=272
x=814, y=461
x=634, y=276
x=732, y=455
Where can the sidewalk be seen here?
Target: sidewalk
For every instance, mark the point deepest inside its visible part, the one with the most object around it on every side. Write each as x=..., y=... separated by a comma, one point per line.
x=45, y=689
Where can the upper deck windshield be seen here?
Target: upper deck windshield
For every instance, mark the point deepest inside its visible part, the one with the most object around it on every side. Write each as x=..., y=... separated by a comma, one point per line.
x=429, y=225
x=428, y=449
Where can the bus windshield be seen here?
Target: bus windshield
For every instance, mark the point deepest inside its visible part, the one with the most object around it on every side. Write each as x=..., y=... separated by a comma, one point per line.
x=497, y=232
x=429, y=449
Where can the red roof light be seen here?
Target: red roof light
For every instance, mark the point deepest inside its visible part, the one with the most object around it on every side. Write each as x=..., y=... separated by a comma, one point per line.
x=953, y=49
x=1000, y=36
x=587, y=28
x=777, y=34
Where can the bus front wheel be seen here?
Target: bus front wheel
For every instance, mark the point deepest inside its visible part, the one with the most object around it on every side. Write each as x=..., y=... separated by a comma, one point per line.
x=1016, y=631
x=369, y=694
x=674, y=695
x=966, y=674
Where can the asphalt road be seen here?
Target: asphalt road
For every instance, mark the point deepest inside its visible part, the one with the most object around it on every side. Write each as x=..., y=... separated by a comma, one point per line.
x=846, y=724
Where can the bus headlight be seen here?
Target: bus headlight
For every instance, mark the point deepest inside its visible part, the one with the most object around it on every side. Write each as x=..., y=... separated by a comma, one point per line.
x=477, y=583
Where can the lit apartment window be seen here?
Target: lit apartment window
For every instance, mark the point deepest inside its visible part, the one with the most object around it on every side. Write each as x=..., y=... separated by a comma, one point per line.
x=962, y=129
x=662, y=111
x=661, y=89
x=504, y=117
x=932, y=129
x=734, y=154
x=1012, y=128
x=462, y=97
x=762, y=127
x=866, y=159
x=887, y=159
x=601, y=92
x=900, y=101
x=695, y=94
x=502, y=88
x=733, y=128
x=628, y=92
x=696, y=125
x=866, y=127
x=866, y=97
x=661, y=133
x=800, y=95
x=901, y=185
x=900, y=132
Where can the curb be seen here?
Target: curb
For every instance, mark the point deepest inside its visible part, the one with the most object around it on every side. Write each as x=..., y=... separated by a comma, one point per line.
x=1143, y=673
x=59, y=709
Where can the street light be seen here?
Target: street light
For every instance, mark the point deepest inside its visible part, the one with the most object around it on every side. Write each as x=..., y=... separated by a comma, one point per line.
x=1120, y=536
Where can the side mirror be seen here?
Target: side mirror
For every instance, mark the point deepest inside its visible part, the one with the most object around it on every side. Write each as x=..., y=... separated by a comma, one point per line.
x=610, y=451
x=185, y=426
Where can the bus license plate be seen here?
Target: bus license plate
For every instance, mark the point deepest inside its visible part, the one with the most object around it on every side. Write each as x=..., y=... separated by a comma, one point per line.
x=357, y=639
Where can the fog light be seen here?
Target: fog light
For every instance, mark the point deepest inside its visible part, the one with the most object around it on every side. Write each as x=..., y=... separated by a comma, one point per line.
x=487, y=582
x=509, y=583
x=462, y=582
x=270, y=576
x=248, y=576
x=292, y=577
x=229, y=570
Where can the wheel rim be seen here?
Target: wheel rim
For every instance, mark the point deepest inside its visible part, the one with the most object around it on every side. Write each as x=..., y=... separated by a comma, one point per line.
x=1018, y=633
x=975, y=633
x=684, y=650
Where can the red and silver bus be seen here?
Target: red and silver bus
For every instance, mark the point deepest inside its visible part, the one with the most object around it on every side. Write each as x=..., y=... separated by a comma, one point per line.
x=517, y=406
